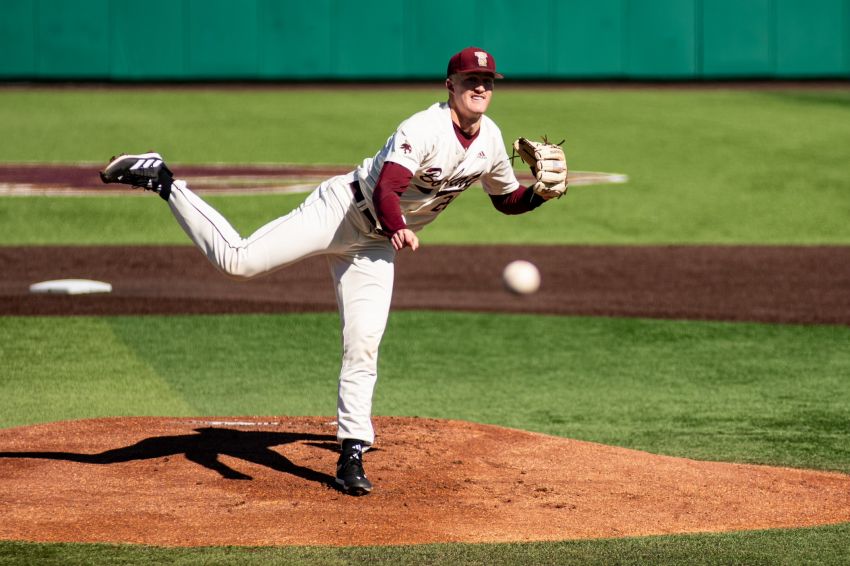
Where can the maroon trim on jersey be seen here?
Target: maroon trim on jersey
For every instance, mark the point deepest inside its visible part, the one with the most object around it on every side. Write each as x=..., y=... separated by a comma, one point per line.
x=464, y=138
x=524, y=199
x=392, y=182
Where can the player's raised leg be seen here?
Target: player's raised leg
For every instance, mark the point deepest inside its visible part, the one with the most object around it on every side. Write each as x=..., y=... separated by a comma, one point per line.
x=318, y=225
x=314, y=227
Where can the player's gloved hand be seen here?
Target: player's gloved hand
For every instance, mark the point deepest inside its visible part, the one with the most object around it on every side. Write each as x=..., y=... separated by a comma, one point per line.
x=405, y=238
x=548, y=165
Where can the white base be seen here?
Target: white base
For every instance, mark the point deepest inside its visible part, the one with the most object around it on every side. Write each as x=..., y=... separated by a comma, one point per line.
x=71, y=287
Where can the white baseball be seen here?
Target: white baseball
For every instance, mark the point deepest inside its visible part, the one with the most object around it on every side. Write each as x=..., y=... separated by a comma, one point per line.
x=521, y=277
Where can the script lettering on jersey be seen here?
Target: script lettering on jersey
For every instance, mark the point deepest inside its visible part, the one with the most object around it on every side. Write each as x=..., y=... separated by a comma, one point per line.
x=459, y=181
x=462, y=182
x=432, y=176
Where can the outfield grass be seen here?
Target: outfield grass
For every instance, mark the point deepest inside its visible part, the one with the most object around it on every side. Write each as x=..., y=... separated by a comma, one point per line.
x=705, y=166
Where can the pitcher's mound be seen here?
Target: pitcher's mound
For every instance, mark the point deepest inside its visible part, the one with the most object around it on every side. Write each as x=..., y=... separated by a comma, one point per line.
x=269, y=481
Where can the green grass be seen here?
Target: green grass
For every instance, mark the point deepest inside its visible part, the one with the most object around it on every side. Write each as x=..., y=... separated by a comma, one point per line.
x=114, y=220
x=822, y=545
x=708, y=166
x=62, y=369
x=774, y=394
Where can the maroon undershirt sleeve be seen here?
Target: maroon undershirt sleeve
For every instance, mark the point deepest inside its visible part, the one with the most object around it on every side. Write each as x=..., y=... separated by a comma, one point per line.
x=524, y=199
x=392, y=182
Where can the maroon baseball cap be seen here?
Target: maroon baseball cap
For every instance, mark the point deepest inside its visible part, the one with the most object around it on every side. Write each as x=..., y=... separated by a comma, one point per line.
x=472, y=60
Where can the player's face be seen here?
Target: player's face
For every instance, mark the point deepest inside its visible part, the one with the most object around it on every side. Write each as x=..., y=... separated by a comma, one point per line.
x=470, y=93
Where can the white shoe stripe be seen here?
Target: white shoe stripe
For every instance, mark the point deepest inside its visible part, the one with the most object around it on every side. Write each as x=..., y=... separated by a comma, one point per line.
x=145, y=164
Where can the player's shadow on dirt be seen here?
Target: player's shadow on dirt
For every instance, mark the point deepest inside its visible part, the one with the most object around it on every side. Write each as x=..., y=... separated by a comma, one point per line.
x=205, y=448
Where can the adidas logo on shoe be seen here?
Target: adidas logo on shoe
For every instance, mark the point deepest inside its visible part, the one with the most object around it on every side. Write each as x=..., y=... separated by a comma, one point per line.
x=146, y=170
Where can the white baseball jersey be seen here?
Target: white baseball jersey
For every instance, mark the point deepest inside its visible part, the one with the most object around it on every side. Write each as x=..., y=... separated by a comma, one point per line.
x=426, y=144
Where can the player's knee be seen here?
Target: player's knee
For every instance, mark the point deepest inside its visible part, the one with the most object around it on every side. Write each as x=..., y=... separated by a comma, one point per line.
x=240, y=266
x=236, y=275
x=240, y=271
x=362, y=348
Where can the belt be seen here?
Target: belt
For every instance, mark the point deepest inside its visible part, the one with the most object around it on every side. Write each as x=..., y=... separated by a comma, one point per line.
x=363, y=206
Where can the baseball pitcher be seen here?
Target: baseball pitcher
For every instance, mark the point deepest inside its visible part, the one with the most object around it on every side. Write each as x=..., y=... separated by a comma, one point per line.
x=360, y=220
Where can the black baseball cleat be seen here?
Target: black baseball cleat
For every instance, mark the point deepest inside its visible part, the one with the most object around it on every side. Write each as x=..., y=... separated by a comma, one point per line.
x=145, y=170
x=349, y=469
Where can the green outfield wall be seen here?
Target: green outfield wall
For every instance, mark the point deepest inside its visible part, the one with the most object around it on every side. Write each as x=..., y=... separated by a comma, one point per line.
x=412, y=39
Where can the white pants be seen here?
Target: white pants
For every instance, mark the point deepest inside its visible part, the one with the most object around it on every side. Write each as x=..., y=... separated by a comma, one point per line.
x=361, y=262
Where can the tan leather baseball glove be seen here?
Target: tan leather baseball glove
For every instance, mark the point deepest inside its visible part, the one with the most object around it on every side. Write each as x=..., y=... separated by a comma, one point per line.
x=548, y=165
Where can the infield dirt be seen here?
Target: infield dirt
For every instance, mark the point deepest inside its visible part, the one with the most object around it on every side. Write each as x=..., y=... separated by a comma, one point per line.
x=809, y=285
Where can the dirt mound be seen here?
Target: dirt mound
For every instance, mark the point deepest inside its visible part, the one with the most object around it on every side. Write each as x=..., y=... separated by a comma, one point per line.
x=266, y=481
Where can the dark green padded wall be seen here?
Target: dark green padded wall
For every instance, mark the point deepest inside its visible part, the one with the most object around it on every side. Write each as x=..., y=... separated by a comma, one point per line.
x=411, y=39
